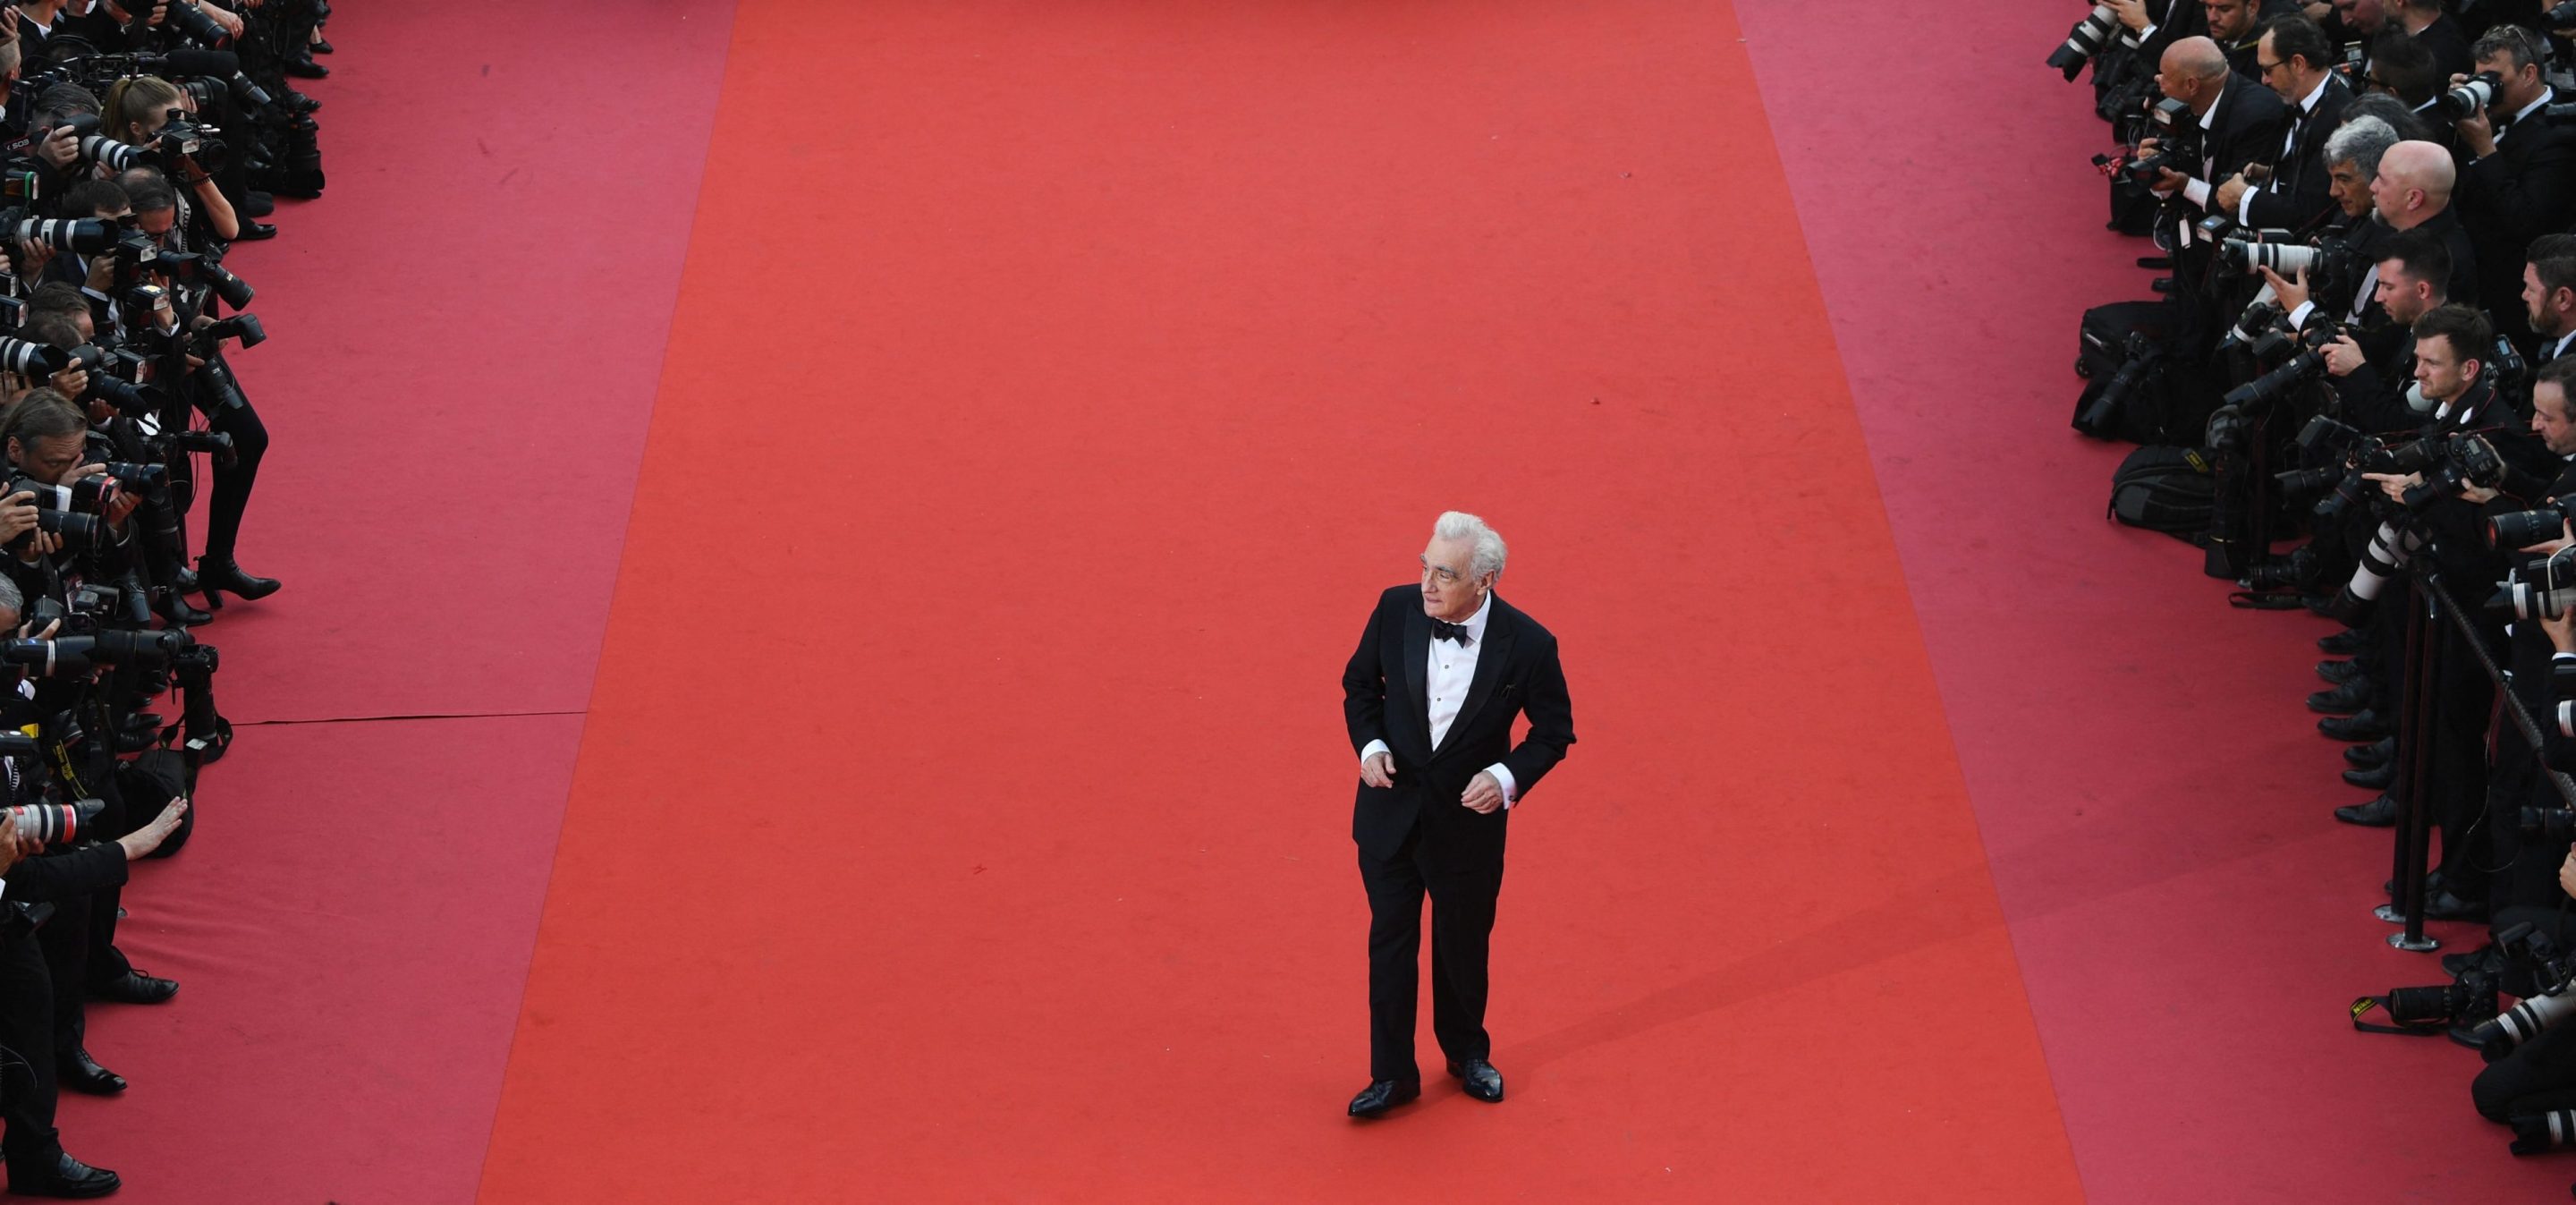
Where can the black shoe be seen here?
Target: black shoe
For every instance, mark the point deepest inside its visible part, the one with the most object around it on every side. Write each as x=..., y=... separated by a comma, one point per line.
x=184, y=581
x=175, y=611
x=321, y=47
x=2344, y=643
x=305, y=68
x=220, y=577
x=1480, y=1079
x=255, y=232
x=85, y=1075
x=2363, y=725
x=2378, y=813
x=2340, y=672
x=2377, y=753
x=2346, y=699
x=70, y=1179
x=257, y=204
x=135, y=987
x=2442, y=905
x=145, y=720
x=1382, y=1095
x=2345, y=607
x=2377, y=778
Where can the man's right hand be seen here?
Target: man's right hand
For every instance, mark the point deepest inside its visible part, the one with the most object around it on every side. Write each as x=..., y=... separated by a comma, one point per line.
x=2291, y=291
x=2133, y=13
x=60, y=148
x=2343, y=356
x=12, y=846
x=17, y=516
x=1378, y=770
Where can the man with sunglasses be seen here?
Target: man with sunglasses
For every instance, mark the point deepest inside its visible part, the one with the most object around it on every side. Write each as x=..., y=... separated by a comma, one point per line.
x=2296, y=62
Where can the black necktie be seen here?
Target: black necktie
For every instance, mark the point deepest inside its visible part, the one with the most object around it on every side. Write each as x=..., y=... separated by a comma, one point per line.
x=1442, y=629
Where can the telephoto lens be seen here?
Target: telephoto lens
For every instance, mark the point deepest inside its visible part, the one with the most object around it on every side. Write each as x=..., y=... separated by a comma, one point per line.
x=2088, y=38
x=54, y=823
x=34, y=361
x=87, y=236
x=2471, y=97
x=2524, y=528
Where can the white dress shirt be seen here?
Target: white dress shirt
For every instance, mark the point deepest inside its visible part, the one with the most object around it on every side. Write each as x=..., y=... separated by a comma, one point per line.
x=1452, y=669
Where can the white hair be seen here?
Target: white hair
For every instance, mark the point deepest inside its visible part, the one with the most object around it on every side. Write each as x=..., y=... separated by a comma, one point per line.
x=1488, y=553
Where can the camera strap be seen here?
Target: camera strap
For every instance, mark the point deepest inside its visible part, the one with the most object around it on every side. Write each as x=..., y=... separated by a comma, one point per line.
x=2363, y=1007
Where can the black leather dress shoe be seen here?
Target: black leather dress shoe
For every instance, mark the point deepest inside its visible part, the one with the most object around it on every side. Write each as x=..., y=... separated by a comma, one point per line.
x=2376, y=778
x=2344, y=643
x=2343, y=700
x=306, y=68
x=320, y=47
x=70, y=1179
x=1382, y=1095
x=2378, y=813
x=2363, y=725
x=135, y=987
x=2445, y=906
x=2377, y=753
x=252, y=232
x=2340, y=672
x=1480, y=1079
x=85, y=1075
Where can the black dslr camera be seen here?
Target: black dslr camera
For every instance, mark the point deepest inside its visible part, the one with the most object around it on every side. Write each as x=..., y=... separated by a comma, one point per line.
x=2177, y=134
x=2087, y=39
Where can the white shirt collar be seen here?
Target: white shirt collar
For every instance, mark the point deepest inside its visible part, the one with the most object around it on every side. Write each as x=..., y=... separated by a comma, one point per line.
x=2308, y=103
x=1476, y=623
x=2546, y=95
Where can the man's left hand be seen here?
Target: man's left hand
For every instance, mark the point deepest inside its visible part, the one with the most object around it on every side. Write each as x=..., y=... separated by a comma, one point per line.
x=2230, y=191
x=2477, y=132
x=1483, y=794
x=2395, y=486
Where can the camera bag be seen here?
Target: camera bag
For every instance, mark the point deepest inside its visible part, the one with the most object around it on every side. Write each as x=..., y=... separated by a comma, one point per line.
x=2123, y=342
x=2172, y=490
x=151, y=779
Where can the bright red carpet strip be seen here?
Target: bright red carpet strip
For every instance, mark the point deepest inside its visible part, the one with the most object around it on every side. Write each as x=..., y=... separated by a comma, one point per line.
x=963, y=810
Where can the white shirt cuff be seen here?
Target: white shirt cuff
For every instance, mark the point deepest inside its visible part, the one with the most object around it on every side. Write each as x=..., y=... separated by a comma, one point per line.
x=2196, y=191
x=1504, y=779
x=2245, y=208
x=1374, y=748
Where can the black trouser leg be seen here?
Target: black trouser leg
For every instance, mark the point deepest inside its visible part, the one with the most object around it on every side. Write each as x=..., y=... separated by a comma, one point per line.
x=32, y=1146
x=65, y=942
x=2459, y=751
x=1462, y=921
x=1395, y=892
x=2538, y=1076
x=233, y=481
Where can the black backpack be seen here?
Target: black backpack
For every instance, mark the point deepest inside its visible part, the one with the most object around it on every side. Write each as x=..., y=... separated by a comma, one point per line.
x=2172, y=490
x=2120, y=352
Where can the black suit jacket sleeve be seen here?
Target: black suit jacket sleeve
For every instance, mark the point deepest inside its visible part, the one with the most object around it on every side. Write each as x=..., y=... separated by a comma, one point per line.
x=1551, y=716
x=2305, y=182
x=2523, y=190
x=1364, y=682
x=62, y=876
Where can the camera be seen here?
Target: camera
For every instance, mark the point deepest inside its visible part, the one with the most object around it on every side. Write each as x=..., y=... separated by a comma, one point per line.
x=2542, y=591
x=2087, y=39
x=218, y=444
x=206, y=270
x=2307, y=365
x=34, y=361
x=2524, y=528
x=85, y=236
x=2469, y=99
x=204, y=341
x=2177, y=135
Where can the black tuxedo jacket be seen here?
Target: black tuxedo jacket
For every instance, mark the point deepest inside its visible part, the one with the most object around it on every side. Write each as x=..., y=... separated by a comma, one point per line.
x=2526, y=189
x=1384, y=699
x=2248, y=128
x=2299, y=193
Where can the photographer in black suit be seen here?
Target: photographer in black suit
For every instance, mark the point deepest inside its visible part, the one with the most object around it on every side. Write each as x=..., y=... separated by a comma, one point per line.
x=2520, y=174
x=2242, y=122
x=2295, y=61
x=1429, y=697
x=2549, y=296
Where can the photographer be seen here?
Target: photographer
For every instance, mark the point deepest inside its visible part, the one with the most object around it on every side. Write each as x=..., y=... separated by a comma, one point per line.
x=2293, y=57
x=137, y=112
x=2549, y=295
x=2240, y=122
x=2520, y=179
x=2413, y=191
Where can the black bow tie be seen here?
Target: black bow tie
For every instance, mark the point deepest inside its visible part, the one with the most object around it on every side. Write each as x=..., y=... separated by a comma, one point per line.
x=1442, y=629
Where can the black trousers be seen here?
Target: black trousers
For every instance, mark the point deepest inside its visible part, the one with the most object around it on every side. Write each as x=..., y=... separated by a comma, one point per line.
x=27, y=1090
x=1462, y=921
x=233, y=481
x=2540, y=1075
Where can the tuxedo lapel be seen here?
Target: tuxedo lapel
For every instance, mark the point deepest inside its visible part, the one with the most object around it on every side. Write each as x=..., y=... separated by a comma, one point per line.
x=1417, y=659
x=1500, y=628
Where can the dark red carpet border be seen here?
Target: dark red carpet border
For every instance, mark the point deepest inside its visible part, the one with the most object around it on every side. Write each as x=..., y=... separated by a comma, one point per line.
x=2189, y=920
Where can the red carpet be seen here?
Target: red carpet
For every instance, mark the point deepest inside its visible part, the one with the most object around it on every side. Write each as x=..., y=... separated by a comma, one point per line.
x=957, y=803
x=993, y=843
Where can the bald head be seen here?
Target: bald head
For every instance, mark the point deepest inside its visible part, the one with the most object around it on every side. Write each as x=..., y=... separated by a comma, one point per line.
x=2193, y=71
x=2413, y=184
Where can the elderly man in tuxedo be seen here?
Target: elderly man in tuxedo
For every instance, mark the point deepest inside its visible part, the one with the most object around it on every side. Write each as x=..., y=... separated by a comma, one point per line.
x=1442, y=669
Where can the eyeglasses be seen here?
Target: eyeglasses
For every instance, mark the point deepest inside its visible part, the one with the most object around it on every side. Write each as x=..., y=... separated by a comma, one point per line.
x=2266, y=68
x=1440, y=573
